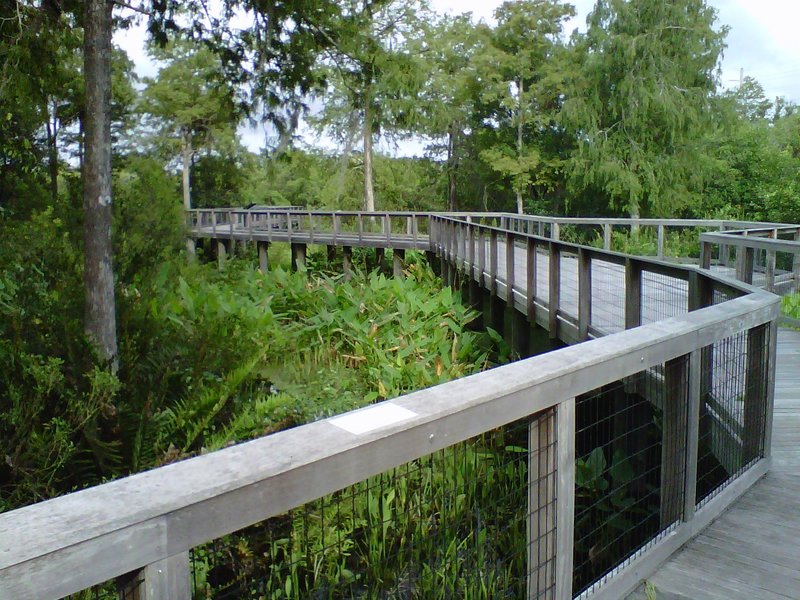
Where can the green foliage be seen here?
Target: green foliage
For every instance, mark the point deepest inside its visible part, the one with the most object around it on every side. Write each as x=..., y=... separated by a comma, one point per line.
x=448, y=525
x=316, y=179
x=790, y=306
x=640, y=103
x=206, y=357
x=280, y=341
x=148, y=220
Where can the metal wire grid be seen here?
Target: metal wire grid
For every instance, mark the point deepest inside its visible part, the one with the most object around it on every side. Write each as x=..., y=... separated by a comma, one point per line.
x=568, y=295
x=608, y=296
x=663, y=297
x=542, y=273
x=453, y=524
x=630, y=468
x=121, y=588
x=733, y=409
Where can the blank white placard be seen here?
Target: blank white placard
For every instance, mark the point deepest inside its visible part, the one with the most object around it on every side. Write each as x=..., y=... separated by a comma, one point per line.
x=372, y=418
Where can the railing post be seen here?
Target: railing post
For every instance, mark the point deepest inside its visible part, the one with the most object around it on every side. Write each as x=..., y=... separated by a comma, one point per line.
x=214, y=223
x=673, y=439
x=481, y=258
x=565, y=516
x=443, y=229
x=542, y=505
x=693, y=401
x=606, y=237
x=633, y=293
x=744, y=264
x=493, y=261
x=555, y=231
x=555, y=288
x=700, y=292
x=796, y=264
x=584, y=293
x=724, y=250
x=755, y=396
x=471, y=251
x=705, y=255
x=531, y=279
x=770, y=266
x=772, y=358
x=660, y=242
x=463, y=232
x=510, y=269
x=335, y=228
x=167, y=579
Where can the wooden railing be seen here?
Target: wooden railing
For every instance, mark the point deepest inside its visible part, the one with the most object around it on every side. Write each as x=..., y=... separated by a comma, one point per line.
x=148, y=523
x=770, y=241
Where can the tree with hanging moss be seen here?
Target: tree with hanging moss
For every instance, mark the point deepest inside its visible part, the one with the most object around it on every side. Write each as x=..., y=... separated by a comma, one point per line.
x=641, y=102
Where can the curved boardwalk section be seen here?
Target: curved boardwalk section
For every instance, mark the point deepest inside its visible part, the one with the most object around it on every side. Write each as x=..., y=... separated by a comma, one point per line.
x=753, y=550
x=603, y=458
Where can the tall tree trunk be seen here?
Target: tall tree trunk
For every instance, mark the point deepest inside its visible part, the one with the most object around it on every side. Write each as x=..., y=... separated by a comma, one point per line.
x=186, y=153
x=520, y=119
x=52, y=151
x=634, y=213
x=369, y=192
x=452, y=168
x=98, y=273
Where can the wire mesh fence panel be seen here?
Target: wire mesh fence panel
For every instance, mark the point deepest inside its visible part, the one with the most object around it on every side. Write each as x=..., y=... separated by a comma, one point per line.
x=733, y=410
x=608, y=296
x=122, y=588
x=542, y=273
x=663, y=297
x=569, y=283
x=630, y=468
x=454, y=524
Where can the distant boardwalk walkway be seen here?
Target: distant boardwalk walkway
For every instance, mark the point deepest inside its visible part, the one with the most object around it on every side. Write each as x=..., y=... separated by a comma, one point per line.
x=752, y=551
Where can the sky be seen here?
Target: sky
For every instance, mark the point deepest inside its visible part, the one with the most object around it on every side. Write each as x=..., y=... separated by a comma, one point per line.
x=762, y=43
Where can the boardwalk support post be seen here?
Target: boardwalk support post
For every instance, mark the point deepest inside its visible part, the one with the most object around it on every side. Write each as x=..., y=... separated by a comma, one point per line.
x=222, y=251
x=398, y=259
x=263, y=256
x=347, y=262
x=298, y=257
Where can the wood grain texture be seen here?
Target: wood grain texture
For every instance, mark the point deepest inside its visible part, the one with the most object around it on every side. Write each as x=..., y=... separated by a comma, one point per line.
x=752, y=551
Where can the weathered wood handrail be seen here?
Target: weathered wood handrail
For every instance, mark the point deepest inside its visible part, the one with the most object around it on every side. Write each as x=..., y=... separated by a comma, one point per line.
x=746, y=242
x=151, y=520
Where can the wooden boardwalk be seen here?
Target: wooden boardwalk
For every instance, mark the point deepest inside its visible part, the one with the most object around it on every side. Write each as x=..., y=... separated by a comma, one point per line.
x=752, y=551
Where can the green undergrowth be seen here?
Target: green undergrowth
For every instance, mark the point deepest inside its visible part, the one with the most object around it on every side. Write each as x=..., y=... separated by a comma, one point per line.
x=207, y=358
x=790, y=306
